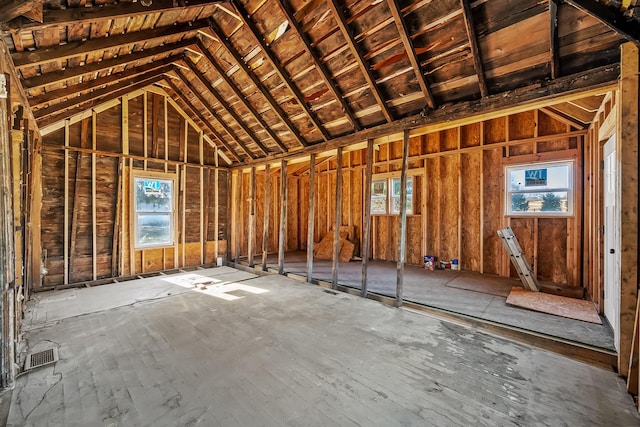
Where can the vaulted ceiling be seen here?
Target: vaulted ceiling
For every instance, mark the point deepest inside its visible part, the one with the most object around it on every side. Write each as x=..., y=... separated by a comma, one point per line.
x=267, y=77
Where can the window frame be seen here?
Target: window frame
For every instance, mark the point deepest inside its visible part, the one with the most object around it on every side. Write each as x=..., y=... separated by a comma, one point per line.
x=137, y=175
x=388, y=193
x=570, y=189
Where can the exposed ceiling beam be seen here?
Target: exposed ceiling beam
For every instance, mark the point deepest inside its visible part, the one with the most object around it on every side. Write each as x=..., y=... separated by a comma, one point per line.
x=96, y=101
x=70, y=91
x=596, y=81
x=234, y=87
x=86, y=15
x=85, y=47
x=320, y=66
x=10, y=9
x=95, y=67
x=475, y=49
x=562, y=117
x=553, y=38
x=217, y=32
x=411, y=52
x=341, y=20
x=206, y=83
x=213, y=112
x=79, y=100
x=196, y=113
x=611, y=17
x=280, y=71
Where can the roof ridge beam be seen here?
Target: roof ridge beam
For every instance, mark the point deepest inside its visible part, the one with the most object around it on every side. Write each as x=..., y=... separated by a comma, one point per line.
x=256, y=82
x=282, y=74
x=213, y=113
x=77, y=48
x=206, y=83
x=203, y=49
x=411, y=52
x=95, y=67
x=341, y=20
x=467, y=16
x=320, y=66
x=68, y=91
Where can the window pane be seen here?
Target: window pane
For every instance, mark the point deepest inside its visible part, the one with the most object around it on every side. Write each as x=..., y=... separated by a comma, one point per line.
x=153, y=195
x=540, y=202
x=154, y=229
x=395, y=195
x=379, y=197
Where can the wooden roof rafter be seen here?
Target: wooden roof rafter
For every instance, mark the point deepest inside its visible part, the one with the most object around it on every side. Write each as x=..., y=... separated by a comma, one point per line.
x=611, y=17
x=196, y=113
x=95, y=67
x=51, y=110
x=403, y=31
x=218, y=97
x=554, y=52
x=79, y=48
x=257, y=116
x=10, y=9
x=319, y=65
x=37, y=102
x=475, y=48
x=280, y=71
x=341, y=20
x=217, y=32
x=180, y=73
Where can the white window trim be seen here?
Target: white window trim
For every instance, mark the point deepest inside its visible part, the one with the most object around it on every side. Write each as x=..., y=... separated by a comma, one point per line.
x=388, y=178
x=539, y=165
x=136, y=174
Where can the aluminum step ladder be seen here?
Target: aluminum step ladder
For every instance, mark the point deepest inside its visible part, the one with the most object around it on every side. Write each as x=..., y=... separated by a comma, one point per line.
x=518, y=259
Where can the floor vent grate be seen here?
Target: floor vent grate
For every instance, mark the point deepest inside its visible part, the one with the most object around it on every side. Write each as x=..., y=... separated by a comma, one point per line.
x=41, y=358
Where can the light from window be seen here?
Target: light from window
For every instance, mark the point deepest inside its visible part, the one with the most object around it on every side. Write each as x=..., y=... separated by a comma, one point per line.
x=385, y=201
x=379, y=196
x=540, y=189
x=395, y=195
x=153, y=201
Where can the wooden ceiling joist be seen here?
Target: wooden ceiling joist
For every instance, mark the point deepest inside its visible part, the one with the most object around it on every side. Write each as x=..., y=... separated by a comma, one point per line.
x=217, y=32
x=257, y=116
x=78, y=100
x=213, y=112
x=95, y=67
x=79, y=48
x=554, y=41
x=218, y=98
x=37, y=102
x=475, y=49
x=87, y=15
x=59, y=117
x=341, y=20
x=319, y=65
x=403, y=31
x=280, y=71
x=612, y=17
x=188, y=106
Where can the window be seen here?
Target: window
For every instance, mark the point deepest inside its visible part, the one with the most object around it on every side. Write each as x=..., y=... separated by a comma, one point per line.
x=153, y=211
x=385, y=201
x=540, y=189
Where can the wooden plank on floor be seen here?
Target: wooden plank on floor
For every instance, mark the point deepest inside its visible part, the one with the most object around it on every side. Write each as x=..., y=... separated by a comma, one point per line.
x=554, y=304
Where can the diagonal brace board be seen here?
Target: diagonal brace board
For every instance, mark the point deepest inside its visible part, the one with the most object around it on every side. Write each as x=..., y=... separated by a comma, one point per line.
x=518, y=259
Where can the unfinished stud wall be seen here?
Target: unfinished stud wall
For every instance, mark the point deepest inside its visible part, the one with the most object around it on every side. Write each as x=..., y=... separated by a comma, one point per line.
x=459, y=201
x=91, y=179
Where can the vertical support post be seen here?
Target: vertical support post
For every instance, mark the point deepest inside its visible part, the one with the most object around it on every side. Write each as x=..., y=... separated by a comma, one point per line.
x=627, y=195
x=145, y=132
x=366, y=238
x=201, y=157
x=66, y=203
x=337, y=221
x=283, y=215
x=166, y=170
x=238, y=212
x=216, y=208
x=94, y=225
x=403, y=219
x=265, y=225
x=311, y=217
x=183, y=226
x=252, y=216
x=228, y=233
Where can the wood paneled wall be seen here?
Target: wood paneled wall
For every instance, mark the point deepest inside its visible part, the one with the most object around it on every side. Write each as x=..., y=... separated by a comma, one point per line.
x=87, y=188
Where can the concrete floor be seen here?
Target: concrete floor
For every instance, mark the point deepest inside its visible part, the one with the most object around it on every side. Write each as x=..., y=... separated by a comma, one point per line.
x=219, y=347
x=431, y=288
